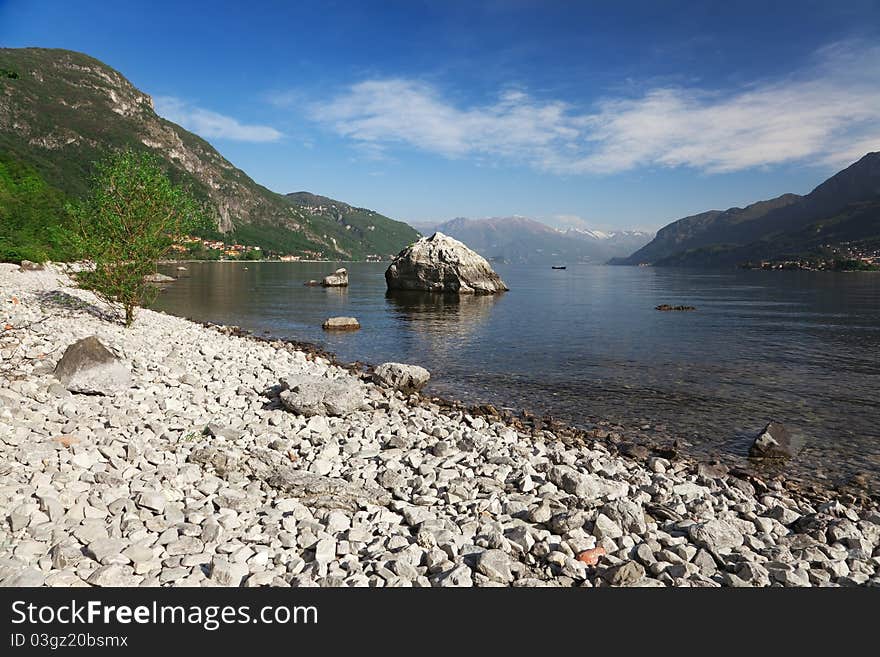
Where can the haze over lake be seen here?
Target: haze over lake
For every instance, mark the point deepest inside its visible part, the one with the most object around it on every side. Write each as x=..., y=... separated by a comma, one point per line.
x=586, y=343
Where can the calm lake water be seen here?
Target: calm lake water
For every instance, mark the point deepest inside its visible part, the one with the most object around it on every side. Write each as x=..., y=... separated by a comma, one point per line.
x=586, y=343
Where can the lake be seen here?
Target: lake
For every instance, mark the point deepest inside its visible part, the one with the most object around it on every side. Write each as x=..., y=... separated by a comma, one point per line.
x=586, y=343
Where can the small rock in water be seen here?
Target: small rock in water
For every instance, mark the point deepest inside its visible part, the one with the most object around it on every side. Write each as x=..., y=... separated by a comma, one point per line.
x=158, y=278
x=339, y=278
x=665, y=307
x=341, y=324
x=773, y=442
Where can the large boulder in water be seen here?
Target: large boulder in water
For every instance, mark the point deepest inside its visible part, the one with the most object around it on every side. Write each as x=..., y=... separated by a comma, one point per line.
x=88, y=367
x=442, y=264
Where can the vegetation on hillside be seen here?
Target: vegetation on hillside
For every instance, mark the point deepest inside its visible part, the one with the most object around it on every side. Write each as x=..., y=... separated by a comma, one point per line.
x=32, y=215
x=61, y=111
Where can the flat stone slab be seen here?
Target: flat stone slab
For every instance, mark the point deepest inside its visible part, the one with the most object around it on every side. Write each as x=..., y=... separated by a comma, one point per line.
x=315, y=395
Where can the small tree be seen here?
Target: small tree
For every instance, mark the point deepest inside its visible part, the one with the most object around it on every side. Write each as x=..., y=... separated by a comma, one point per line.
x=128, y=222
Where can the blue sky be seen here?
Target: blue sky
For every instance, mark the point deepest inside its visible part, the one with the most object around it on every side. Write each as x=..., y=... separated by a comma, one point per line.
x=624, y=116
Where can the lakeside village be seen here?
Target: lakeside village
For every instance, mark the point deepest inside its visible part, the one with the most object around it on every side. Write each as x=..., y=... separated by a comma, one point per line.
x=842, y=257
x=190, y=247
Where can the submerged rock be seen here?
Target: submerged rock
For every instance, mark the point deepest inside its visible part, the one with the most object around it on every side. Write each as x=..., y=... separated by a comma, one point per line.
x=339, y=278
x=87, y=366
x=400, y=376
x=665, y=307
x=442, y=264
x=773, y=442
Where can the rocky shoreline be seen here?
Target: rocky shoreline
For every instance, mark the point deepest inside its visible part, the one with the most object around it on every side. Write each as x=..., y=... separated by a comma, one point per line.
x=200, y=474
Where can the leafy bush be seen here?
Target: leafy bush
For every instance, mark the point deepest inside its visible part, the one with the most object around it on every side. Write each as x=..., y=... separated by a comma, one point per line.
x=127, y=223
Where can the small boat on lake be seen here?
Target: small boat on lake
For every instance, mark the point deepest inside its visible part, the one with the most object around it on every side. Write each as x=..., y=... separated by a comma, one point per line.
x=555, y=267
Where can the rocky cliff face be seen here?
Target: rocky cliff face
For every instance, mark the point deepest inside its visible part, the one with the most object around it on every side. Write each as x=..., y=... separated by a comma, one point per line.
x=65, y=110
x=442, y=264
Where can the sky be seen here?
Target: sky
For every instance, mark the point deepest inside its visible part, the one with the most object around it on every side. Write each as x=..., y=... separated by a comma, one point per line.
x=607, y=115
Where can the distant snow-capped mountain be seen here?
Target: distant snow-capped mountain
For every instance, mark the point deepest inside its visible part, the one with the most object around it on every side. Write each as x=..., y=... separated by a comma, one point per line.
x=524, y=240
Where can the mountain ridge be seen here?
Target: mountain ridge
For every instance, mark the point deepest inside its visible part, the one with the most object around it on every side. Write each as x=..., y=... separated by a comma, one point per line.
x=65, y=110
x=788, y=226
x=525, y=240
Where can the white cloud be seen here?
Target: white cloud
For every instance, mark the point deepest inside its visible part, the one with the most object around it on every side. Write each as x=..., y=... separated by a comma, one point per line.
x=210, y=124
x=828, y=113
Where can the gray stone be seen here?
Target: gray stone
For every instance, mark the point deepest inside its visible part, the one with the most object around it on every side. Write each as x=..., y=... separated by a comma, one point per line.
x=583, y=485
x=325, y=551
x=107, y=551
x=111, y=576
x=625, y=574
x=153, y=500
x=605, y=527
x=138, y=553
x=87, y=366
x=90, y=530
x=715, y=535
x=24, y=578
x=400, y=376
x=627, y=514
x=705, y=562
x=495, y=565
x=314, y=395
x=225, y=573
x=184, y=545
x=772, y=442
x=458, y=577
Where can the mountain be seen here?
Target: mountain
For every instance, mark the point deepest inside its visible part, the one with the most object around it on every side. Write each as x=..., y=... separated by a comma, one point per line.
x=61, y=110
x=842, y=212
x=523, y=240
x=378, y=235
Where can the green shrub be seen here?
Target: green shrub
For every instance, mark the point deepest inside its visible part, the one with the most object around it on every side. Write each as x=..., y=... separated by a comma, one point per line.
x=128, y=222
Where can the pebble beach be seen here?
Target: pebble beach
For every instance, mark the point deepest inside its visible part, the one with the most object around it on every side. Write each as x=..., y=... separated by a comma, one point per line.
x=230, y=461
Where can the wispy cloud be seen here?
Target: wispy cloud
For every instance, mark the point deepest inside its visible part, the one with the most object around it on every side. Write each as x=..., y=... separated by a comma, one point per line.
x=211, y=124
x=827, y=113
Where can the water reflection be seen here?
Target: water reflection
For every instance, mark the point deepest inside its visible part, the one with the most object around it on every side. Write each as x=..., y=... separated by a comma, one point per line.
x=445, y=313
x=440, y=323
